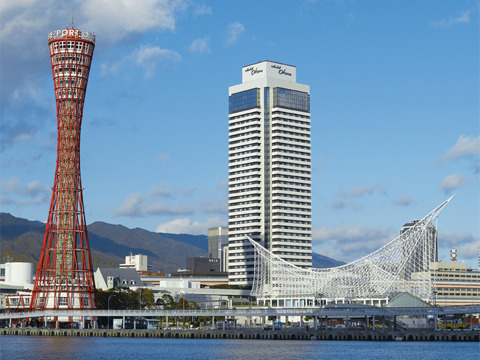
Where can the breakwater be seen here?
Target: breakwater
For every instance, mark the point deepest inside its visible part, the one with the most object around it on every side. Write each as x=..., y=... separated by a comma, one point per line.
x=287, y=334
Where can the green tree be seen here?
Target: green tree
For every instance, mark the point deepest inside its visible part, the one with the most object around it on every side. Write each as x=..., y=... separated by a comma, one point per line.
x=145, y=298
x=193, y=305
x=123, y=299
x=167, y=302
x=182, y=304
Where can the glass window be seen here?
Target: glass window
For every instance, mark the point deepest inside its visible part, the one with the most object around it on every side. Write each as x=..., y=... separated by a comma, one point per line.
x=244, y=100
x=266, y=98
x=291, y=99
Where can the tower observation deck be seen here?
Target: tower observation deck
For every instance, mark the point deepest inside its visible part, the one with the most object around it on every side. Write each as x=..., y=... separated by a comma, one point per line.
x=64, y=278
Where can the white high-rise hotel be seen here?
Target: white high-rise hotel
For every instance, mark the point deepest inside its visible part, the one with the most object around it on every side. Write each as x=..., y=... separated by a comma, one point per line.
x=269, y=173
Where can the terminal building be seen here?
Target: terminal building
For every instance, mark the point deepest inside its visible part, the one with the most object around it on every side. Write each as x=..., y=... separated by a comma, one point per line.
x=455, y=284
x=269, y=169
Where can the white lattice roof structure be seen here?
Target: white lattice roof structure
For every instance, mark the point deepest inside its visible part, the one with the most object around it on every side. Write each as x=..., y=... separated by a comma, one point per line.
x=382, y=273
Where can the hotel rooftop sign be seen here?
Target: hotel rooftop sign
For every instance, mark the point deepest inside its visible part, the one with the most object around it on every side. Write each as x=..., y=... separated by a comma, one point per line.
x=269, y=69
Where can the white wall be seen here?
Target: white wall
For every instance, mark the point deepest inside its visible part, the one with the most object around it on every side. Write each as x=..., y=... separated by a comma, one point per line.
x=19, y=273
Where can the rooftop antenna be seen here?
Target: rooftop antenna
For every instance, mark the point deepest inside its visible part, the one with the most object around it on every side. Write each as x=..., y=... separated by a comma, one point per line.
x=72, y=18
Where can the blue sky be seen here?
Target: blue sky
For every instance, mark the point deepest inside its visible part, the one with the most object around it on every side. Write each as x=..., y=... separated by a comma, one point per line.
x=394, y=103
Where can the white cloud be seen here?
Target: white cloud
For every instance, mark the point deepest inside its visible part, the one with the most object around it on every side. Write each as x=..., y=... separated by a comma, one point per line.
x=34, y=188
x=187, y=226
x=11, y=185
x=340, y=204
x=318, y=162
x=234, y=31
x=201, y=45
x=356, y=192
x=465, y=243
x=452, y=182
x=404, y=200
x=24, y=19
x=162, y=158
x=222, y=185
x=113, y=68
x=14, y=185
x=464, y=18
x=135, y=205
x=349, y=243
x=31, y=193
x=129, y=17
x=132, y=206
x=202, y=9
x=189, y=191
x=25, y=24
x=465, y=147
x=164, y=209
x=361, y=190
x=219, y=207
x=114, y=20
x=162, y=192
x=29, y=90
x=148, y=57
x=19, y=131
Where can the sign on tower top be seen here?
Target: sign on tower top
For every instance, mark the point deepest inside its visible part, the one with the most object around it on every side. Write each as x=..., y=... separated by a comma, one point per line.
x=269, y=69
x=71, y=33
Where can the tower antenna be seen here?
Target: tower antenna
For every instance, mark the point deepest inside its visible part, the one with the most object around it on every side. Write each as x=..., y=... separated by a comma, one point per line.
x=72, y=18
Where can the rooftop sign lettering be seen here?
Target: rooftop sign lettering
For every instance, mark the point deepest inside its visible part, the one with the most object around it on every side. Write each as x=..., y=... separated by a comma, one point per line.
x=71, y=33
x=268, y=70
x=281, y=71
x=253, y=70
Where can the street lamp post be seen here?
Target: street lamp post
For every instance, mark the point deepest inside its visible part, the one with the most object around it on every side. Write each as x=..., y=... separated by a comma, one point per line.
x=108, y=307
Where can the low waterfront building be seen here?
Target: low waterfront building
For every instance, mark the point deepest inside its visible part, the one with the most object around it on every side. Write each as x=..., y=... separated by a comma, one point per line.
x=110, y=278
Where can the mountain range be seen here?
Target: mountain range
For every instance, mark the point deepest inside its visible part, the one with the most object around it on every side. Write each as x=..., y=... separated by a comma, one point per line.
x=21, y=240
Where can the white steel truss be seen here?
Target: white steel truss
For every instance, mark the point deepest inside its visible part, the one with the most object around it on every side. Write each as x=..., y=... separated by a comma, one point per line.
x=386, y=271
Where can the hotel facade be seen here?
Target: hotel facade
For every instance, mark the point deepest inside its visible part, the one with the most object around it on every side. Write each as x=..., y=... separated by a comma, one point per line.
x=269, y=158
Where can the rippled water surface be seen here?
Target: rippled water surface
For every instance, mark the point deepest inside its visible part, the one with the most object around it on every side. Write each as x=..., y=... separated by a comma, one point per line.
x=31, y=347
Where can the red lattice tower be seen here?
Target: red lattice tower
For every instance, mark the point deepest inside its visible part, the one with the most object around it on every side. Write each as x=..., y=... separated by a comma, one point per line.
x=64, y=278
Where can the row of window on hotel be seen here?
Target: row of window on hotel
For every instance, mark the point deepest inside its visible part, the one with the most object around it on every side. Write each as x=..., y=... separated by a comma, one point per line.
x=286, y=98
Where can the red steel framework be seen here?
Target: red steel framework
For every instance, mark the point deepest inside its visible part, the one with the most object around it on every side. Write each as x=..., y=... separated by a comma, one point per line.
x=64, y=278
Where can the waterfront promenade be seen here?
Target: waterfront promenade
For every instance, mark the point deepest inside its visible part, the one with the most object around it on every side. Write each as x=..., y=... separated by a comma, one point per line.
x=329, y=311
x=320, y=330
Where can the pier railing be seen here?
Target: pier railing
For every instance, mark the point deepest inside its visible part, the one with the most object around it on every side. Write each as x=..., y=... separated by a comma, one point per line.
x=320, y=312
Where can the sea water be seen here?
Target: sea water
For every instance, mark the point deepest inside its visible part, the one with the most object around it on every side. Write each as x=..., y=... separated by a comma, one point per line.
x=66, y=348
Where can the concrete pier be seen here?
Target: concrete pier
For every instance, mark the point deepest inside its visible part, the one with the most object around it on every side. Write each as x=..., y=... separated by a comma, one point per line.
x=286, y=334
